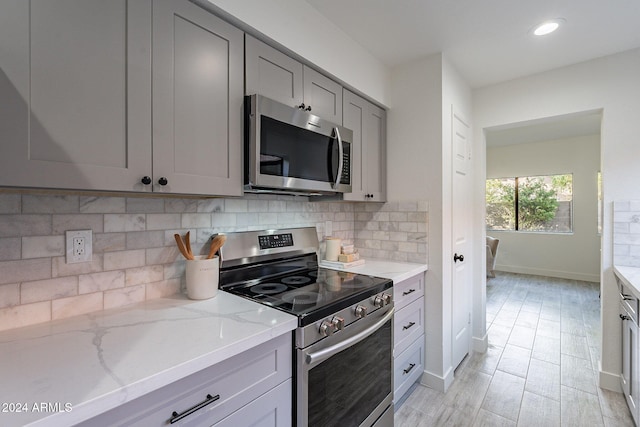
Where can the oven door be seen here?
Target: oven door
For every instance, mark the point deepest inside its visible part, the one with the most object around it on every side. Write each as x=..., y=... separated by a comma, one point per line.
x=291, y=149
x=347, y=379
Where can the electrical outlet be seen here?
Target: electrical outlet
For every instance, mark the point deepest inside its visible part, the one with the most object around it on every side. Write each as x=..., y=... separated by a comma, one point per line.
x=79, y=246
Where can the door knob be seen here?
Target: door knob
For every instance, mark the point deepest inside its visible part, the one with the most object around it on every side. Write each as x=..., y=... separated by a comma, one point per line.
x=457, y=257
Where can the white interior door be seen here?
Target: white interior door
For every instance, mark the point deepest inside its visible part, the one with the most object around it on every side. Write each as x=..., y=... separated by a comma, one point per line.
x=461, y=239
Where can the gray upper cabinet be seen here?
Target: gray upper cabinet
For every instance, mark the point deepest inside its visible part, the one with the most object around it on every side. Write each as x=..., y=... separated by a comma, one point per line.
x=271, y=73
x=368, y=167
x=197, y=101
x=275, y=75
x=76, y=95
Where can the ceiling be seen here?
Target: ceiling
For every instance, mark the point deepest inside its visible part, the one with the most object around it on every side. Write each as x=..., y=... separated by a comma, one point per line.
x=487, y=41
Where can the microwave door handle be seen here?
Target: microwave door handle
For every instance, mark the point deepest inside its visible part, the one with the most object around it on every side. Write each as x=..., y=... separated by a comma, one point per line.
x=340, y=158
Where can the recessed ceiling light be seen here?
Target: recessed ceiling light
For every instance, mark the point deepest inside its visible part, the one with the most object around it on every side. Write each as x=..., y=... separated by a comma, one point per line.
x=547, y=27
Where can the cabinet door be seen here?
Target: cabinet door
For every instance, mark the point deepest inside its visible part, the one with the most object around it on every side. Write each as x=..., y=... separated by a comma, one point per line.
x=368, y=169
x=271, y=73
x=197, y=101
x=630, y=377
x=75, y=94
x=323, y=96
x=272, y=409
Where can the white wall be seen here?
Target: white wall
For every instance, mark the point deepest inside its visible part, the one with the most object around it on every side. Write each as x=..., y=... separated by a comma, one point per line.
x=419, y=167
x=573, y=255
x=610, y=83
x=302, y=29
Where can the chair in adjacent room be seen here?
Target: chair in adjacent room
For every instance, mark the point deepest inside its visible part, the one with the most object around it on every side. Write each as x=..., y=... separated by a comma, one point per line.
x=492, y=251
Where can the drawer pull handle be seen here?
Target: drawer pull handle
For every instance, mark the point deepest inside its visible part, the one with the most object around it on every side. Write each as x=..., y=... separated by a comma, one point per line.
x=627, y=297
x=411, y=366
x=177, y=417
x=404, y=328
x=408, y=292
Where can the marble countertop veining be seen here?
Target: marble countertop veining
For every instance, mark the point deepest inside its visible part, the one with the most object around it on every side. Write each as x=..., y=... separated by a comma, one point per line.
x=630, y=276
x=394, y=270
x=95, y=362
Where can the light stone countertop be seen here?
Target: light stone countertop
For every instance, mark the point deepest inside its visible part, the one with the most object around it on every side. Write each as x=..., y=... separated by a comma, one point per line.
x=394, y=270
x=98, y=361
x=630, y=276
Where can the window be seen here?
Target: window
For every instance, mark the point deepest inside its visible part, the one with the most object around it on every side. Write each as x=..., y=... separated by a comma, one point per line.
x=530, y=203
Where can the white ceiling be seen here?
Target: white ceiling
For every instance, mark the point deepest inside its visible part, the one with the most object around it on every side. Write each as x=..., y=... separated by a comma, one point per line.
x=488, y=41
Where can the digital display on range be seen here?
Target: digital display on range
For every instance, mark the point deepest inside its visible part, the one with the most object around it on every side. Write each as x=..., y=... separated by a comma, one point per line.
x=271, y=241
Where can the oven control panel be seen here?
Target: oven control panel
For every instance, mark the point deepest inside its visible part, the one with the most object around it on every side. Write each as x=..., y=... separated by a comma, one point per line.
x=271, y=241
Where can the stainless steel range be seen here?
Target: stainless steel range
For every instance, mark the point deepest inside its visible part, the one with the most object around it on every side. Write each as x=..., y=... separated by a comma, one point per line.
x=343, y=343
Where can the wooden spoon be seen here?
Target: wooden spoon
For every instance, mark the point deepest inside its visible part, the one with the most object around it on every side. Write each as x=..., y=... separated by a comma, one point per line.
x=187, y=242
x=216, y=244
x=183, y=249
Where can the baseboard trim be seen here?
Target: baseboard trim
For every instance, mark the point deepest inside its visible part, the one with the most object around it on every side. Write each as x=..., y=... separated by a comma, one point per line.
x=608, y=380
x=549, y=273
x=436, y=382
x=480, y=344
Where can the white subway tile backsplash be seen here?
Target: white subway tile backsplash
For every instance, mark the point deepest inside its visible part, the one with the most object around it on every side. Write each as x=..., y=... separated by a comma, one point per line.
x=124, y=259
x=50, y=204
x=10, y=203
x=43, y=246
x=25, y=270
x=46, y=290
x=9, y=295
x=196, y=220
x=62, y=223
x=23, y=315
x=163, y=221
x=145, y=239
x=135, y=257
x=143, y=275
x=124, y=222
x=145, y=205
x=10, y=248
x=626, y=233
x=102, y=205
x=59, y=266
x=98, y=282
x=74, y=306
x=120, y=297
x=25, y=225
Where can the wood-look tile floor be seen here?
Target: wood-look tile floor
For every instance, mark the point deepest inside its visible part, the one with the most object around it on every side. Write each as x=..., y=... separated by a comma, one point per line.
x=540, y=369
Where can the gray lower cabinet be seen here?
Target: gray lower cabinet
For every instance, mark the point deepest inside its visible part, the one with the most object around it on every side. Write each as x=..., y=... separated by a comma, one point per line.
x=276, y=75
x=76, y=97
x=408, y=334
x=253, y=388
x=368, y=167
x=630, y=375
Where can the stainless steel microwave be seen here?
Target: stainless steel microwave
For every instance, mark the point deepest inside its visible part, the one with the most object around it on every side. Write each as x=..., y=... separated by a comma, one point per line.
x=289, y=150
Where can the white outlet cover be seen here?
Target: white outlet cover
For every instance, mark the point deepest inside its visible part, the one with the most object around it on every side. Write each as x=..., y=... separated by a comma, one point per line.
x=88, y=246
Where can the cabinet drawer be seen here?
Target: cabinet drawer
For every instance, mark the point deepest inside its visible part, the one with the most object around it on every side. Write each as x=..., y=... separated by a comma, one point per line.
x=408, y=324
x=237, y=381
x=407, y=368
x=628, y=300
x=408, y=291
x=272, y=409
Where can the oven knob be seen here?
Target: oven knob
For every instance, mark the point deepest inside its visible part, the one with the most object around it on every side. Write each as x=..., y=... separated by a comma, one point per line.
x=361, y=311
x=378, y=302
x=386, y=298
x=326, y=328
x=338, y=323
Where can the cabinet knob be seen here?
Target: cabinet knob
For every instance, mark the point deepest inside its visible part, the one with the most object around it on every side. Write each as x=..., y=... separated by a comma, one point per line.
x=308, y=108
x=302, y=106
x=457, y=257
x=146, y=180
x=623, y=317
x=163, y=181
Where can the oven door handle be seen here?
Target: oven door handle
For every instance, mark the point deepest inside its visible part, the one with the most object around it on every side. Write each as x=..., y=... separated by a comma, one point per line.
x=322, y=355
x=340, y=158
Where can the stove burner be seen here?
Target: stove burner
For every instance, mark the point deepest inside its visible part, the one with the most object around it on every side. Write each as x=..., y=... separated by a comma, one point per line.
x=301, y=299
x=313, y=273
x=268, y=288
x=295, y=280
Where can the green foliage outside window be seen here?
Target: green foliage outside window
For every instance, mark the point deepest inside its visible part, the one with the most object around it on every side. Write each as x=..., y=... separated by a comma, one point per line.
x=542, y=203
